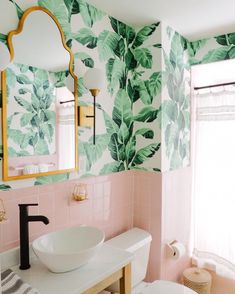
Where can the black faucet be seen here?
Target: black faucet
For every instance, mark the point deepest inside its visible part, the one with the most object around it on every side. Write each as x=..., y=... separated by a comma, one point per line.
x=24, y=232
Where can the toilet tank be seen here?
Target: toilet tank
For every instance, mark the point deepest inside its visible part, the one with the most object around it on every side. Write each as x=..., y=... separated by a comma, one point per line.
x=138, y=242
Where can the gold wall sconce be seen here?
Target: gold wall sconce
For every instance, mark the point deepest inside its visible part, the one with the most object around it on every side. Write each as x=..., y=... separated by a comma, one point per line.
x=85, y=113
x=2, y=212
x=80, y=192
x=93, y=81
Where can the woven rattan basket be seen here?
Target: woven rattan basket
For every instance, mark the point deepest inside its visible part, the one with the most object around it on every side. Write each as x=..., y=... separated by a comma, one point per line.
x=198, y=280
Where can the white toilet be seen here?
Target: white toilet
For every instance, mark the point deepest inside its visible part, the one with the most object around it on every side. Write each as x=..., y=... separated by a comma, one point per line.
x=138, y=242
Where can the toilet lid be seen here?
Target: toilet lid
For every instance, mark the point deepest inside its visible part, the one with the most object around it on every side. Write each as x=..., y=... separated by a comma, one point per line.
x=166, y=287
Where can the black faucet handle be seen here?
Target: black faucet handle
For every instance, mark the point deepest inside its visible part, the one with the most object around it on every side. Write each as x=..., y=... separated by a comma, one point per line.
x=24, y=207
x=28, y=204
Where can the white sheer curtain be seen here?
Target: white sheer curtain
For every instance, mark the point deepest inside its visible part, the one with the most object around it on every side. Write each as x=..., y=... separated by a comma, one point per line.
x=66, y=137
x=65, y=129
x=214, y=179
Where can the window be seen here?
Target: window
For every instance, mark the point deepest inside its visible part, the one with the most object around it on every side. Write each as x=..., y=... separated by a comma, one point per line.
x=214, y=178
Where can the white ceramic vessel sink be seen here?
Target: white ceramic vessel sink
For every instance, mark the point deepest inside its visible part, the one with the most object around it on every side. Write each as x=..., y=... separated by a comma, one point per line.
x=68, y=249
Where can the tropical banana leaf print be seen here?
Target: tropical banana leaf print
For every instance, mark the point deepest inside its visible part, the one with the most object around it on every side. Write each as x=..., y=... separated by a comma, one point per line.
x=218, y=54
x=72, y=7
x=128, y=58
x=81, y=88
x=89, y=13
x=224, y=50
x=175, y=110
x=193, y=48
x=59, y=9
x=122, y=145
x=19, y=11
x=107, y=42
x=112, y=168
x=3, y=38
x=143, y=57
x=86, y=37
x=4, y=187
x=226, y=40
x=31, y=129
x=51, y=179
x=93, y=152
x=85, y=58
x=144, y=34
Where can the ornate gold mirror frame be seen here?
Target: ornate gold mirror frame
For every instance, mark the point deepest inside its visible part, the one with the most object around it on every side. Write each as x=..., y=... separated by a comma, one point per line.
x=6, y=176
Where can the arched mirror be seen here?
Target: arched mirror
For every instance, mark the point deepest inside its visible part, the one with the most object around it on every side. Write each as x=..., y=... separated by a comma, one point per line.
x=39, y=91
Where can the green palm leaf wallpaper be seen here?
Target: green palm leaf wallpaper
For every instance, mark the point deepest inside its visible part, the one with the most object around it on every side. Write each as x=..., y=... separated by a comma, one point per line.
x=213, y=49
x=175, y=121
x=31, y=111
x=127, y=57
x=143, y=113
x=127, y=133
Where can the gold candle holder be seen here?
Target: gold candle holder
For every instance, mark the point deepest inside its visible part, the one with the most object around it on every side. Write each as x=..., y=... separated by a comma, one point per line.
x=80, y=192
x=2, y=212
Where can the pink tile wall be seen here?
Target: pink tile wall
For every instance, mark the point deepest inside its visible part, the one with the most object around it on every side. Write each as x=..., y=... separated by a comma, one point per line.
x=148, y=215
x=162, y=206
x=159, y=203
x=176, y=219
x=110, y=207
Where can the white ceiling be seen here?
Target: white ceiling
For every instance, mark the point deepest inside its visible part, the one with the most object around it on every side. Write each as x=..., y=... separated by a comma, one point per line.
x=194, y=19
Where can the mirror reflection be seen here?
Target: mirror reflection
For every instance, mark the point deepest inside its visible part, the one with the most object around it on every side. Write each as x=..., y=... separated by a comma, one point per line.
x=39, y=127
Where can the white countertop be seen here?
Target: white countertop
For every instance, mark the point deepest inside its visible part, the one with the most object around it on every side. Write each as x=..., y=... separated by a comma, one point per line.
x=107, y=261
